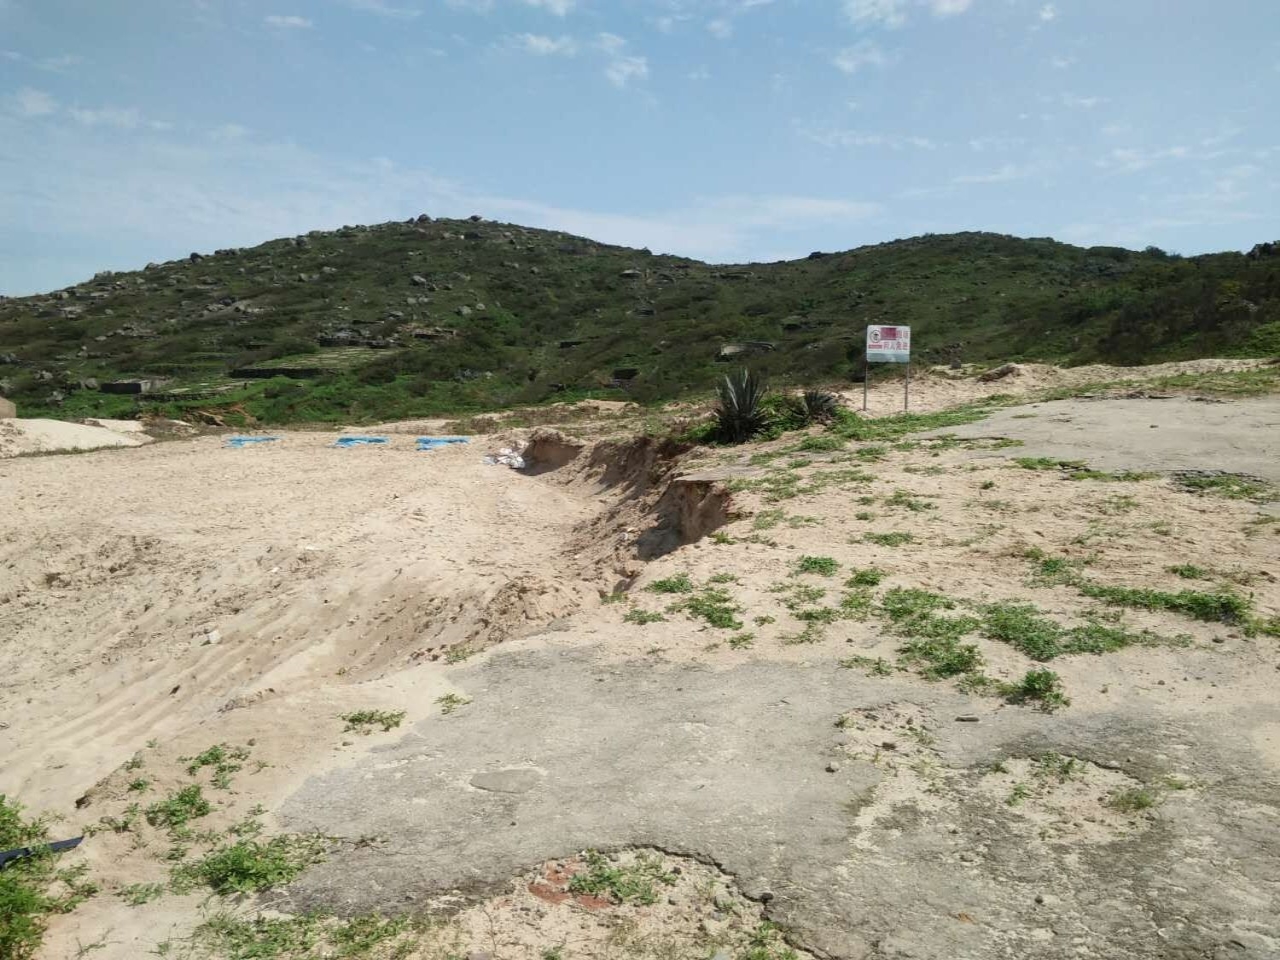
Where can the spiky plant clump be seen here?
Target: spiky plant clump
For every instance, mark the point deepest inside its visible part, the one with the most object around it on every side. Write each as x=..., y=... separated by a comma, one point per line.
x=819, y=406
x=739, y=416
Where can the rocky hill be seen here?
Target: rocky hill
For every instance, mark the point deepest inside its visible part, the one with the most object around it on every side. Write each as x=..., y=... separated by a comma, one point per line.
x=430, y=316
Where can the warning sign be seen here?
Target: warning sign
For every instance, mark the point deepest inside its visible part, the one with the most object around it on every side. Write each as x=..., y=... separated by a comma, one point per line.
x=888, y=344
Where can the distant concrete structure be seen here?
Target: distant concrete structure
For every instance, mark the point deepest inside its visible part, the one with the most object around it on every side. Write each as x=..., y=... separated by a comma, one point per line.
x=131, y=386
x=7, y=409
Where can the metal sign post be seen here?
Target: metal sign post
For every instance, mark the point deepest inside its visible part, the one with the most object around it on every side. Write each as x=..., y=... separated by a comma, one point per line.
x=887, y=344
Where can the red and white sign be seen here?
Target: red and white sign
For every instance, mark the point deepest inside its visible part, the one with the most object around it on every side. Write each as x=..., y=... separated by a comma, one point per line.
x=888, y=344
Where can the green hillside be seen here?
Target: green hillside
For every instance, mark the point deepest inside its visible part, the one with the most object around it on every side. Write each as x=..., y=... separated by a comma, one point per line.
x=436, y=316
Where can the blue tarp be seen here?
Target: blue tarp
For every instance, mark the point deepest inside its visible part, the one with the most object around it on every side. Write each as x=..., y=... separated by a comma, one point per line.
x=358, y=441
x=248, y=441
x=430, y=443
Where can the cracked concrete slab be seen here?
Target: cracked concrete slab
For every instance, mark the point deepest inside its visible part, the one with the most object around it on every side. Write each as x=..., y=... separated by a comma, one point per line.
x=560, y=751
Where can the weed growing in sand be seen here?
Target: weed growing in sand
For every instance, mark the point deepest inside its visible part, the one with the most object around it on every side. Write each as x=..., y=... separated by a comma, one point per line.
x=1133, y=800
x=250, y=865
x=136, y=894
x=1046, y=463
x=636, y=615
x=823, y=443
x=713, y=605
x=742, y=641
x=723, y=578
x=1020, y=792
x=856, y=603
x=32, y=888
x=223, y=759
x=901, y=498
x=1024, y=628
x=459, y=654
x=763, y=620
x=1189, y=571
x=766, y=942
x=878, y=667
x=868, y=577
x=139, y=785
x=680, y=583
x=1233, y=486
x=1040, y=687
x=135, y=762
x=1220, y=607
x=889, y=539
x=636, y=882
x=451, y=702
x=1051, y=570
x=823, y=566
x=179, y=809
x=871, y=454
x=363, y=721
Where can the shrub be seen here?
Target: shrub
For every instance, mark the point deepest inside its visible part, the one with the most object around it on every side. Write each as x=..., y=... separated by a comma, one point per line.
x=819, y=406
x=739, y=416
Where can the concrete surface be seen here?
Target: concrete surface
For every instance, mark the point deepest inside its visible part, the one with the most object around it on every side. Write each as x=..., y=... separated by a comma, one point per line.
x=560, y=751
x=1144, y=434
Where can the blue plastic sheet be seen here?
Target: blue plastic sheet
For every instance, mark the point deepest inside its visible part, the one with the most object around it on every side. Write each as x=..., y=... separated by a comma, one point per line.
x=248, y=441
x=430, y=443
x=358, y=441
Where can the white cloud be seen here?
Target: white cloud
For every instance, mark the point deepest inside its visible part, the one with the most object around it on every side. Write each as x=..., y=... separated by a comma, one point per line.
x=1082, y=103
x=1133, y=159
x=288, y=22
x=29, y=102
x=544, y=46
x=861, y=54
x=558, y=8
x=862, y=138
x=949, y=8
x=1061, y=63
x=623, y=67
x=119, y=117
x=383, y=9
x=229, y=132
x=720, y=28
x=623, y=70
x=1048, y=13
x=876, y=13
x=1006, y=173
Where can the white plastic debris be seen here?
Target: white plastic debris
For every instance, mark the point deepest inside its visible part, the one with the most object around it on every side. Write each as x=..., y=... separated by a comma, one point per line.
x=507, y=457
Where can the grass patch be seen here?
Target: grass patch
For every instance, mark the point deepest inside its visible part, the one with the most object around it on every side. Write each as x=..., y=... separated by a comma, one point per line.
x=1220, y=607
x=637, y=882
x=713, y=605
x=1233, y=486
x=933, y=640
x=867, y=577
x=178, y=809
x=451, y=702
x=742, y=641
x=901, y=498
x=1133, y=800
x=680, y=583
x=890, y=539
x=636, y=615
x=1040, y=687
x=223, y=759
x=33, y=888
x=877, y=667
x=363, y=721
x=1189, y=571
x=250, y=865
x=136, y=894
x=823, y=566
x=311, y=935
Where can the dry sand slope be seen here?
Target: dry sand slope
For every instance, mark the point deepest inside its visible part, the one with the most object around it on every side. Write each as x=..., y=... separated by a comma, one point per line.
x=158, y=601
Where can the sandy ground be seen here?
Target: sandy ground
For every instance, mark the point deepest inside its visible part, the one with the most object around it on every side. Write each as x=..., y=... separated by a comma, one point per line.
x=20, y=437
x=158, y=601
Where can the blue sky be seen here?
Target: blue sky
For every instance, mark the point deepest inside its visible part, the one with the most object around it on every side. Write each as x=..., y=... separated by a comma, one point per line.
x=729, y=130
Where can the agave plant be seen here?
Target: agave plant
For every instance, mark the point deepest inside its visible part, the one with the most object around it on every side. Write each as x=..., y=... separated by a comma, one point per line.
x=739, y=415
x=819, y=406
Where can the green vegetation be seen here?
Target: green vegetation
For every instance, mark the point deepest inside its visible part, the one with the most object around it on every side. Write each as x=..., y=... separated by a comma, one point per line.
x=1233, y=486
x=680, y=583
x=742, y=641
x=1133, y=800
x=823, y=566
x=136, y=894
x=1023, y=627
x=879, y=667
x=766, y=942
x=179, y=808
x=33, y=888
x=889, y=539
x=227, y=935
x=635, y=882
x=1210, y=607
x=636, y=615
x=1189, y=571
x=739, y=414
x=1040, y=687
x=713, y=605
x=478, y=330
x=869, y=577
x=933, y=640
x=363, y=721
x=451, y=702
x=223, y=759
x=247, y=866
